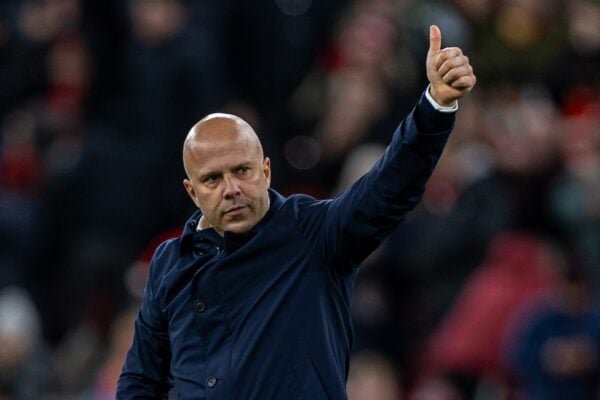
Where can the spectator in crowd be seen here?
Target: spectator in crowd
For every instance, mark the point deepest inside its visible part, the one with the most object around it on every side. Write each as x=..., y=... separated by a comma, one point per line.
x=465, y=350
x=576, y=195
x=373, y=377
x=353, y=94
x=23, y=371
x=554, y=348
x=104, y=386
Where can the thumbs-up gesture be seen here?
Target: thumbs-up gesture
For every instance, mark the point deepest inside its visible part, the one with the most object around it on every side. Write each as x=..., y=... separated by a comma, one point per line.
x=448, y=70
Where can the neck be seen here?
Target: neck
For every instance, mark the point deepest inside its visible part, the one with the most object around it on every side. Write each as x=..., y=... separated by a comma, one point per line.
x=203, y=223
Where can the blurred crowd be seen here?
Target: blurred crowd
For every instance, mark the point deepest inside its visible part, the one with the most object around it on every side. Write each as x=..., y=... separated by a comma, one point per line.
x=488, y=291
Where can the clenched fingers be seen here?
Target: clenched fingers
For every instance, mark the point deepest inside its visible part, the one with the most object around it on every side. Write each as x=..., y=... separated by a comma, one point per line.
x=464, y=82
x=456, y=73
x=447, y=54
x=452, y=63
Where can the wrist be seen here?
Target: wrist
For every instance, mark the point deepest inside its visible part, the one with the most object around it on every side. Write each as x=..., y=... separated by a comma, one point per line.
x=451, y=103
x=437, y=105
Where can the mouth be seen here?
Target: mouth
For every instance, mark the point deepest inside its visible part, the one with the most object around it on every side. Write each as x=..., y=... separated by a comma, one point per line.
x=234, y=210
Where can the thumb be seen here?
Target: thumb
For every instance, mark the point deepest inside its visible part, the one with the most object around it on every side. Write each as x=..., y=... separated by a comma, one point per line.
x=435, y=40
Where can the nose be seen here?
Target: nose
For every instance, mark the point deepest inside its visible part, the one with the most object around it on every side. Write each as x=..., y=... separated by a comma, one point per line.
x=231, y=189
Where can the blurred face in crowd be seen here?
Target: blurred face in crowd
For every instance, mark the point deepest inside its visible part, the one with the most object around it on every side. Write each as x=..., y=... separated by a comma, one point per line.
x=154, y=21
x=228, y=175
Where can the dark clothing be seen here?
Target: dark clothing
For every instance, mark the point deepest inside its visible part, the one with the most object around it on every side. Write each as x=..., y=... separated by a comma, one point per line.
x=266, y=315
x=547, y=324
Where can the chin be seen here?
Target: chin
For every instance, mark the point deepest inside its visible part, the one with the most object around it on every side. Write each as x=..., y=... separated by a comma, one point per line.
x=239, y=228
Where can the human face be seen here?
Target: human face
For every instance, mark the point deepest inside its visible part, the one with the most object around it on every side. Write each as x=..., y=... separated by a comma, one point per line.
x=228, y=180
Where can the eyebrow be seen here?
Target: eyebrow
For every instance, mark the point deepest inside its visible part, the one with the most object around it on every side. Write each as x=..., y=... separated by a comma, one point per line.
x=204, y=176
x=211, y=173
x=243, y=164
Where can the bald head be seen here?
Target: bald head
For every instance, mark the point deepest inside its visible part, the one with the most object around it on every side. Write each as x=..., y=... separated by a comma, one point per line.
x=228, y=174
x=219, y=130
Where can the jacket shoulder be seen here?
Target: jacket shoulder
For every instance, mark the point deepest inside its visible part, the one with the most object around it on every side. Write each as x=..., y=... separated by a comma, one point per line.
x=298, y=204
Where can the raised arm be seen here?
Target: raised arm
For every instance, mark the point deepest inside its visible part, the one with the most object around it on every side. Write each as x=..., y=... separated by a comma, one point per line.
x=346, y=229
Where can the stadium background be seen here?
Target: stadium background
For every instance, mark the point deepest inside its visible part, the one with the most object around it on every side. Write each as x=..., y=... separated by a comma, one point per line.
x=97, y=96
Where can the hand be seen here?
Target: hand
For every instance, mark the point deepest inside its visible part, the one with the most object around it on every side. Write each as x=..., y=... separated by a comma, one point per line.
x=448, y=70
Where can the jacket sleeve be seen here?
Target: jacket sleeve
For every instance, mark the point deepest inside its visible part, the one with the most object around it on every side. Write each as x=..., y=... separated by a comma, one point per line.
x=145, y=374
x=348, y=228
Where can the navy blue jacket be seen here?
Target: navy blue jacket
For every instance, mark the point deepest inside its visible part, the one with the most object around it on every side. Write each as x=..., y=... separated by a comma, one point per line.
x=266, y=315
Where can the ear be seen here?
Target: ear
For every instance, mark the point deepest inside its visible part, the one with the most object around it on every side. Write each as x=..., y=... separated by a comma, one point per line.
x=267, y=170
x=191, y=192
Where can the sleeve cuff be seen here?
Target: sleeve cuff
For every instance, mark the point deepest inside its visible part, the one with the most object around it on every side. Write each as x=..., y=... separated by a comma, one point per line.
x=439, y=107
x=432, y=126
x=429, y=120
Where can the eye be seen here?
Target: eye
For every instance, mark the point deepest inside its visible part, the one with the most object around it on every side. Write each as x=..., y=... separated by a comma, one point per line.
x=241, y=170
x=211, y=179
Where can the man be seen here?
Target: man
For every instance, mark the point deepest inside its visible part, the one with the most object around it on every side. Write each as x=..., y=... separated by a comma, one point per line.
x=253, y=300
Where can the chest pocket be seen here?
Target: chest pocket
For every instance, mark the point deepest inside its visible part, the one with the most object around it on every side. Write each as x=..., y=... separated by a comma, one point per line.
x=309, y=385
